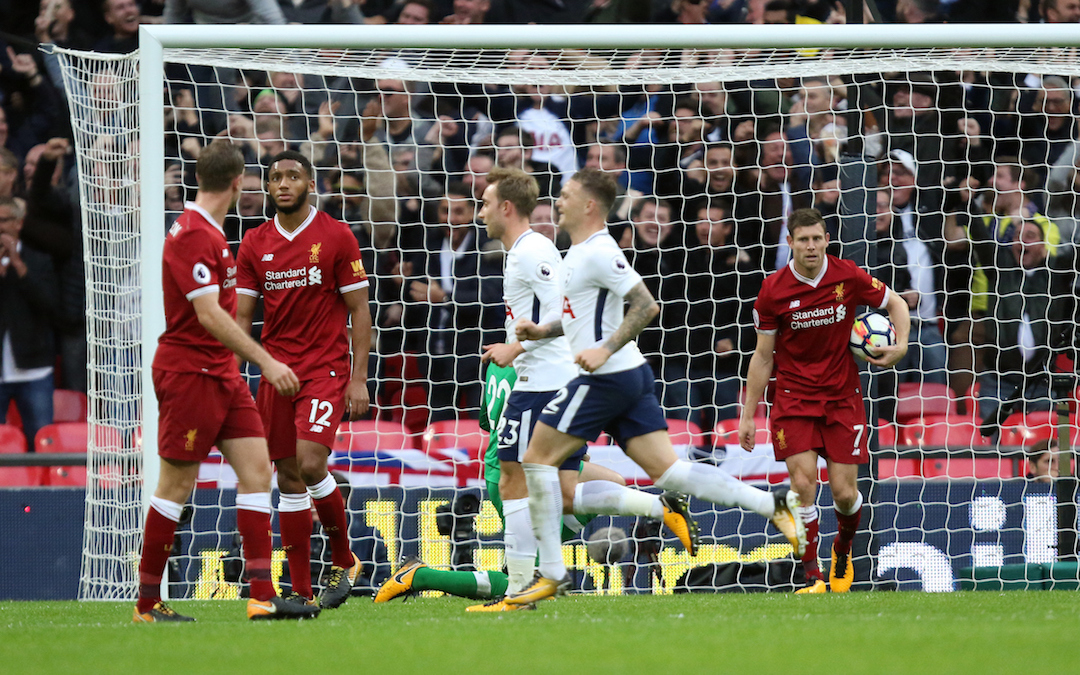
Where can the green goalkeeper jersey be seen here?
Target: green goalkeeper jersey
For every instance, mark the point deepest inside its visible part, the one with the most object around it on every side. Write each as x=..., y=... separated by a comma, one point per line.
x=498, y=383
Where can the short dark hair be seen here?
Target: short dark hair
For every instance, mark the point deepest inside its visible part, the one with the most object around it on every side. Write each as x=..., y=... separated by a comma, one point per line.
x=456, y=187
x=297, y=157
x=804, y=218
x=598, y=184
x=219, y=164
x=516, y=187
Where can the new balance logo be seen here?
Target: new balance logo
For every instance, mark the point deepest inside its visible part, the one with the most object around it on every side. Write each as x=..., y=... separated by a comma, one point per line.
x=794, y=304
x=268, y=257
x=316, y=429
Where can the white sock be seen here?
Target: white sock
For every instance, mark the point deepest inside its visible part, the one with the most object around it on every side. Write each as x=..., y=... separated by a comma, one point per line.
x=520, y=544
x=545, y=505
x=290, y=503
x=170, y=510
x=607, y=498
x=715, y=485
x=323, y=488
x=854, y=508
x=254, y=501
x=483, y=584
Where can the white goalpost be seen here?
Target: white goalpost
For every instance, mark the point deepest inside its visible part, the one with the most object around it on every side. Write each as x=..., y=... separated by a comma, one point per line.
x=945, y=507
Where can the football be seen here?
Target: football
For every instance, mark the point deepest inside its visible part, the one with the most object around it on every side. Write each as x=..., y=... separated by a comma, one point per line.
x=870, y=332
x=608, y=545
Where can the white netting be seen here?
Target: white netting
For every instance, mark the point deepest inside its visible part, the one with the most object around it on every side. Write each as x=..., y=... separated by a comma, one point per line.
x=104, y=97
x=949, y=129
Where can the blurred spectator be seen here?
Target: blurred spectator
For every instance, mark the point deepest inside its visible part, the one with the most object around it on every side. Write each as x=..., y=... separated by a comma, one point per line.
x=679, y=163
x=453, y=304
x=55, y=24
x=917, y=231
x=322, y=11
x=1051, y=126
x=9, y=173
x=920, y=109
x=470, y=12
x=30, y=307
x=763, y=212
x=32, y=107
x=1061, y=11
x=686, y=12
x=1023, y=324
x=542, y=219
x=216, y=12
x=809, y=116
x=918, y=11
x=415, y=13
x=721, y=286
x=123, y=17
x=1063, y=190
x=476, y=171
x=515, y=149
x=611, y=159
x=1042, y=461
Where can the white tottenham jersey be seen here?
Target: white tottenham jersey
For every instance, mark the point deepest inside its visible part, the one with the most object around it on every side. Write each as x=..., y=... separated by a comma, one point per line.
x=531, y=291
x=594, y=280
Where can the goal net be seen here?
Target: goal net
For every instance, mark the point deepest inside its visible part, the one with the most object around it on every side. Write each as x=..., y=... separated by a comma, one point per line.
x=951, y=172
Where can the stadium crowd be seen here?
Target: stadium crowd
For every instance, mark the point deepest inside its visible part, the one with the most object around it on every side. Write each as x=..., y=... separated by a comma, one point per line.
x=978, y=179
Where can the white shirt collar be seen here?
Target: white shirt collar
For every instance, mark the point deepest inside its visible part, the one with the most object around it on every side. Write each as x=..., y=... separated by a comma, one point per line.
x=810, y=282
x=205, y=214
x=295, y=233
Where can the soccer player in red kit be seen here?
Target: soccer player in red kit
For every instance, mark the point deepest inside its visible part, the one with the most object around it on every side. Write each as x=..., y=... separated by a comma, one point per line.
x=306, y=266
x=202, y=400
x=803, y=315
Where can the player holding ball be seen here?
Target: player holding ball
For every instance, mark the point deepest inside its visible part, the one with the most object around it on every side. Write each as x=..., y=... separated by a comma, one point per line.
x=803, y=317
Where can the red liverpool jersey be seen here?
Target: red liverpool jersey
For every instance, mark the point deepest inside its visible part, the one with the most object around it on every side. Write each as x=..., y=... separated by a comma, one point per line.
x=812, y=320
x=301, y=276
x=196, y=261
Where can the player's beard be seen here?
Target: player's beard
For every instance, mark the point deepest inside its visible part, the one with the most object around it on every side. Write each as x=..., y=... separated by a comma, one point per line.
x=300, y=203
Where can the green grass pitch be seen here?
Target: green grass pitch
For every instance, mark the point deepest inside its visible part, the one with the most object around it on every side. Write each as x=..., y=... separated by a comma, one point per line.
x=904, y=633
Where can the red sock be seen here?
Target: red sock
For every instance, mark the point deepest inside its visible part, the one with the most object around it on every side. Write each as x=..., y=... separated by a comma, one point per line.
x=157, y=545
x=296, y=540
x=848, y=526
x=810, y=557
x=331, y=509
x=254, y=529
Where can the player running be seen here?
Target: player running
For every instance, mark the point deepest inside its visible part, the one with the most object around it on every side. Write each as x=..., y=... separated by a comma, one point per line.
x=616, y=393
x=530, y=289
x=803, y=316
x=202, y=400
x=306, y=266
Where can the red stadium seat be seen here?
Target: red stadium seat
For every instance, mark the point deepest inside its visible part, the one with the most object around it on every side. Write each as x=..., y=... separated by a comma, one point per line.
x=13, y=417
x=63, y=437
x=886, y=434
x=942, y=431
x=683, y=432
x=460, y=442
x=1027, y=430
x=915, y=399
x=69, y=406
x=12, y=441
x=726, y=432
x=903, y=467
x=372, y=435
x=968, y=467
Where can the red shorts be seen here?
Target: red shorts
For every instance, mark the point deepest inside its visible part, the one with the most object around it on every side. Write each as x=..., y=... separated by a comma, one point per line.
x=313, y=414
x=836, y=430
x=195, y=411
